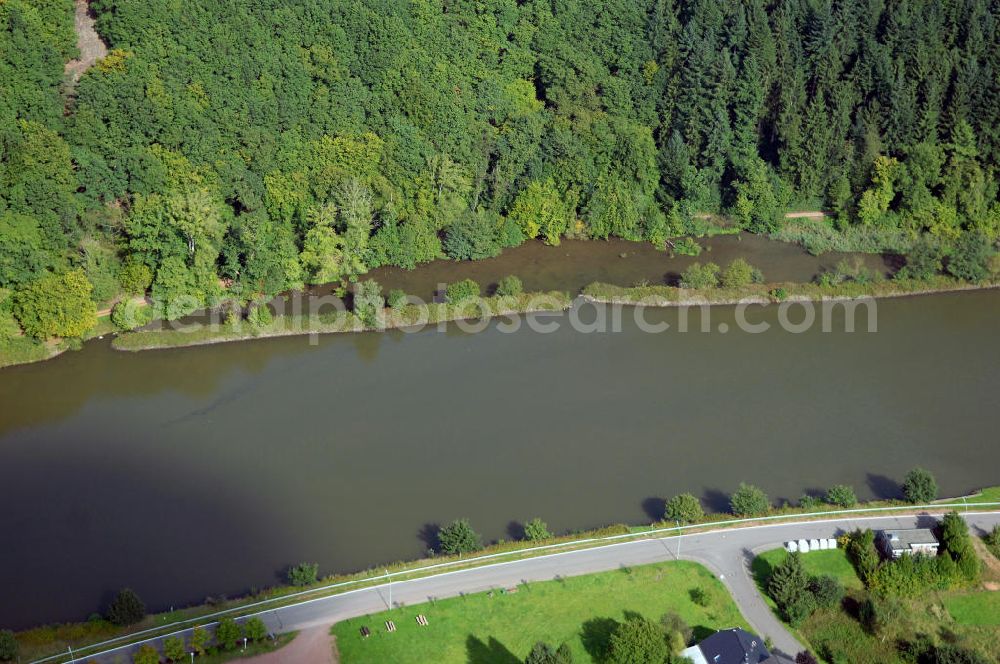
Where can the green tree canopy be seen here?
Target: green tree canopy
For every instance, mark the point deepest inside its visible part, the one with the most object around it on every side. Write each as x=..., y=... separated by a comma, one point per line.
x=56, y=305
x=458, y=537
x=637, y=641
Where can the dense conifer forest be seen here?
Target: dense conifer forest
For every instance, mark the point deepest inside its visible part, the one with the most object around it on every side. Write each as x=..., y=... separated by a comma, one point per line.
x=233, y=148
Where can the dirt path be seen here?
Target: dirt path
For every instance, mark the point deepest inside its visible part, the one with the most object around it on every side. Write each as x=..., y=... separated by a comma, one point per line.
x=311, y=646
x=92, y=48
x=805, y=215
x=138, y=299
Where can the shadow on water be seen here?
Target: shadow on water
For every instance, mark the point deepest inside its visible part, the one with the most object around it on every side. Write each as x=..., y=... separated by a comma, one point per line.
x=883, y=488
x=430, y=536
x=654, y=508
x=716, y=500
x=90, y=548
x=492, y=652
x=515, y=530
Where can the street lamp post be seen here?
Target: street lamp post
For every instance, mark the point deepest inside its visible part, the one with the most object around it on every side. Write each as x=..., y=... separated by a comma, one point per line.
x=389, y=579
x=678, y=539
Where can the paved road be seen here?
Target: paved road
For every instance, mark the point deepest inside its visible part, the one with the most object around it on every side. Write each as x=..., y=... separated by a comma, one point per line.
x=727, y=553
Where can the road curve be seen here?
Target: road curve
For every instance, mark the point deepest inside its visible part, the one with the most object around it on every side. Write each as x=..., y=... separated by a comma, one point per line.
x=727, y=553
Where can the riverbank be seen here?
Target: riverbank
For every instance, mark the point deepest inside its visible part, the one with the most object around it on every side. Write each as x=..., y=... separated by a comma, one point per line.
x=670, y=296
x=52, y=639
x=339, y=322
x=17, y=349
x=418, y=315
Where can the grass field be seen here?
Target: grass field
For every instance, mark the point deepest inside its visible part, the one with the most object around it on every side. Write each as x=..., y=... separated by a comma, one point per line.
x=981, y=609
x=817, y=563
x=500, y=629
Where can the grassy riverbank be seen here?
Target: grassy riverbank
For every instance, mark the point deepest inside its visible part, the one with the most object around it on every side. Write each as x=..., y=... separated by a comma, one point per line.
x=666, y=296
x=579, y=611
x=343, y=321
x=53, y=639
x=16, y=348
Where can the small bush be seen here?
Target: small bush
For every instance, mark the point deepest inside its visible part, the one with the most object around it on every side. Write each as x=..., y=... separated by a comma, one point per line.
x=459, y=537
x=748, y=501
x=255, y=629
x=8, y=646
x=510, y=286
x=992, y=540
x=368, y=302
x=741, y=274
x=147, y=654
x=173, y=648
x=228, y=633
x=700, y=276
x=970, y=258
x=126, y=608
x=462, y=291
x=923, y=261
x=687, y=246
x=841, y=495
x=778, y=294
x=198, y=640
x=260, y=316
x=920, y=487
x=673, y=624
x=303, y=574
x=809, y=502
x=684, y=508
x=129, y=315
x=827, y=590
x=536, y=530
x=699, y=596
x=396, y=299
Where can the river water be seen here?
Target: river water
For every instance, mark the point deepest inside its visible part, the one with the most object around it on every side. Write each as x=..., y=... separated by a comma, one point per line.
x=203, y=471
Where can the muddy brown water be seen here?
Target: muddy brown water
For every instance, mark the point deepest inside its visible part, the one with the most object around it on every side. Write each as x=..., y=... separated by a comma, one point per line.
x=205, y=471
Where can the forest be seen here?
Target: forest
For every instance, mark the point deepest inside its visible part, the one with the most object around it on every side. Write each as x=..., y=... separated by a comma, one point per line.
x=239, y=148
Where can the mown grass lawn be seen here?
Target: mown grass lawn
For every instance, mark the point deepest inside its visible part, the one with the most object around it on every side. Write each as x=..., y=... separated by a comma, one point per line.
x=832, y=562
x=580, y=611
x=980, y=609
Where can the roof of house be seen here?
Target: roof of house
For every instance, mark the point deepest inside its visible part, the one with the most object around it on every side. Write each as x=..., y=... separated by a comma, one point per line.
x=734, y=646
x=906, y=538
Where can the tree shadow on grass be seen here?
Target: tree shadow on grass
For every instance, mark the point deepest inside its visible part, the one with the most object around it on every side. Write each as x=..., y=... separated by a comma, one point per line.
x=701, y=632
x=596, y=636
x=492, y=652
x=761, y=570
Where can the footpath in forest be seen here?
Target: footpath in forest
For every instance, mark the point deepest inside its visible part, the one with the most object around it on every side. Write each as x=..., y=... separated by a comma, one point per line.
x=92, y=47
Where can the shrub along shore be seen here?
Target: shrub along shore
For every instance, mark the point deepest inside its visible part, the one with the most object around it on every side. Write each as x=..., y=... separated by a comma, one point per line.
x=671, y=296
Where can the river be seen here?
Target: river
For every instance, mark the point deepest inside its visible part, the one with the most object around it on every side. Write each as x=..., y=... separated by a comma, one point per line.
x=193, y=472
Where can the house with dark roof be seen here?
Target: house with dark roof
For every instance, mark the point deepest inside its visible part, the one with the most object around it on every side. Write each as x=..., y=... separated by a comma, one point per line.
x=731, y=646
